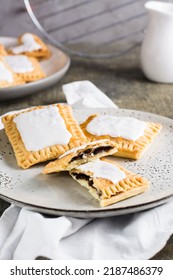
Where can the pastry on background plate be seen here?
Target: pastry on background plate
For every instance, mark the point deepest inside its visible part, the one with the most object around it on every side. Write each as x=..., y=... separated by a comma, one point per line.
x=82, y=154
x=42, y=133
x=7, y=76
x=3, y=50
x=27, y=68
x=109, y=182
x=133, y=136
x=30, y=45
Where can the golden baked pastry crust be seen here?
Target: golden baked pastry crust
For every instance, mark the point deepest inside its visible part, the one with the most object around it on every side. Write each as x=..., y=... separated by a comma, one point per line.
x=3, y=50
x=35, y=75
x=44, y=52
x=92, y=151
x=25, y=158
x=106, y=191
x=127, y=148
x=16, y=80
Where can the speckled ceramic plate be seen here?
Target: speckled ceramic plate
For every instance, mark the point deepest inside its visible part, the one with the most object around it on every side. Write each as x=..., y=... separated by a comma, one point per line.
x=54, y=67
x=61, y=195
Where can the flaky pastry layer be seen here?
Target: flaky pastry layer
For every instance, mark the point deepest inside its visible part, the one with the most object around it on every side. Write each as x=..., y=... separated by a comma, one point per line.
x=106, y=191
x=127, y=148
x=91, y=152
x=34, y=75
x=43, y=52
x=16, y=79
x=25, y=158
x=3, y=50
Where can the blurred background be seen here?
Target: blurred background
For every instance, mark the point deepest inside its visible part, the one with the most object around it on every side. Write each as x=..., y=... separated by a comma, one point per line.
x=83, y=26
x=14, y=18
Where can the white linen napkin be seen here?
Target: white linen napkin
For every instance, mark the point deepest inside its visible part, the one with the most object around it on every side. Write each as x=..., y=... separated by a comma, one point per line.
x=26, y=235
x=84, y=94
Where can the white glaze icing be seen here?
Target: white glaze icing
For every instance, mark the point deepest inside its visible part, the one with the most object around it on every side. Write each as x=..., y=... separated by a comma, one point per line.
x=125, y=127
x=5, y=74
x=19, y=63
x=81, y=147
x=29, y=44
x=42, y=128
x=105, y=170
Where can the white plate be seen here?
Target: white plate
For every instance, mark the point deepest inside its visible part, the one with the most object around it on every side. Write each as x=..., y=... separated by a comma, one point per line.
x=59, y=194
x=54, y=67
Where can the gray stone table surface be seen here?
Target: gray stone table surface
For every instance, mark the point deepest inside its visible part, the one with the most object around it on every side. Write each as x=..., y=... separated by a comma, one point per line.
x=123, y=81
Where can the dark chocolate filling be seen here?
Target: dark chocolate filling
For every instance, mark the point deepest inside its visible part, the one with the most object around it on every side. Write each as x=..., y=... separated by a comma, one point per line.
x=81, y=176
x=80, y=156
x=102, y=149
x=90, y=151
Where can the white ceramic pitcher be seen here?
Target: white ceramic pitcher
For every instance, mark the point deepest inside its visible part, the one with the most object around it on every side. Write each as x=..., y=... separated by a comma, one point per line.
x=157, y=46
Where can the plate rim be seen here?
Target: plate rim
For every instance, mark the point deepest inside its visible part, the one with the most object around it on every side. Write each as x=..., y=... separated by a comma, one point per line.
x=101, y=212
x=90, y=213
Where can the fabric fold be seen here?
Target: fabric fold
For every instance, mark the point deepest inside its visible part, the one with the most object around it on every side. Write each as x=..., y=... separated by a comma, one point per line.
x=84, y=94
x=128, y=237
